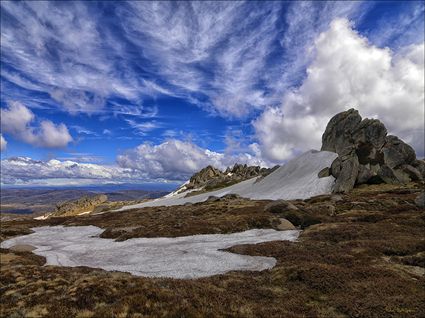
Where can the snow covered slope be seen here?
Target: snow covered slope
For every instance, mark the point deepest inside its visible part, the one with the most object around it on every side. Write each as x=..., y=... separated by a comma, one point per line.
x=297, y=179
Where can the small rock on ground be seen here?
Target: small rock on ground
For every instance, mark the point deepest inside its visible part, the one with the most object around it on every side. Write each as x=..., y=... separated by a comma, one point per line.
x=285, y=225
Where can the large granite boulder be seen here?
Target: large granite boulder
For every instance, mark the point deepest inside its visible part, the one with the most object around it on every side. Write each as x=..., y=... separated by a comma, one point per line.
x=397, y=153
x=347, y=175
x=339, y=131
x=366, y=154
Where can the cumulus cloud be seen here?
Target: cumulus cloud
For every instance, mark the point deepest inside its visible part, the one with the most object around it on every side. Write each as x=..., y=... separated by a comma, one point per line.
x=348, y=71
x=23, y=170
x=3, y=143
x=172, y=160
x=16, y=120
x=178, y=160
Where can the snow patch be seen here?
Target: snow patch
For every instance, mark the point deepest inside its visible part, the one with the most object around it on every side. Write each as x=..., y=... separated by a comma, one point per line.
x=82, y=213
x=182, y=188
x=181, y=257
x=297, y=179
x=43, y=217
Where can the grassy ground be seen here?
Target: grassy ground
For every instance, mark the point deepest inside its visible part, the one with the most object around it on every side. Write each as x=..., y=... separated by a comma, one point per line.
x=363, y=257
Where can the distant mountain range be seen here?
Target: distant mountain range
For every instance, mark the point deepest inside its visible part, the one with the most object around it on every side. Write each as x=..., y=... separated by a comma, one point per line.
x=103, y=187
x=42, y=200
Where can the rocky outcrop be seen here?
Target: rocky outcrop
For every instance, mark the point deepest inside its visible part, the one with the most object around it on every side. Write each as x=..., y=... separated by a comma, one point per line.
x=211, y=178
x=366, y=154
x=202, y=177
x=84, y=204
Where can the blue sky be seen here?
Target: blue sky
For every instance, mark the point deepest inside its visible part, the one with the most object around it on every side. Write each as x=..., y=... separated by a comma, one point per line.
x=101, y=92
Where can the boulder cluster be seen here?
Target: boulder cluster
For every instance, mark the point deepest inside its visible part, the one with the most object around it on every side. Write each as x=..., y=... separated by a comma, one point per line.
x=213, y=178
x=366, y=154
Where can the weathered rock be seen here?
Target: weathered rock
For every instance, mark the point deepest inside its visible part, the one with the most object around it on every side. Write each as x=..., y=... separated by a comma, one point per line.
x=285, y=225
x=347, y=176
x=397, y=152
x=336, y=167
x=201, y=177
x=280, y=206
x=401, y=176
x=392, y=158
x=374, y=168
x=413, y=173
x=370, y=132
x=387, y=175
x=300, y=218
x=210, y=178
x=339, y=131
x=231, y=196
x=368, y=155
x=364, y=175
x=325, y=172
x=420, y=200
x=212, y=198
x=420, y=166
x=364, y=144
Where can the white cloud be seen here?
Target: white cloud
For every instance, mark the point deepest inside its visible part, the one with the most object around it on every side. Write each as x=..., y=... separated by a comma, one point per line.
x=83, y=131
x=60, y=50
x=172, y=160
x=22, y=170
x=236, y=42
x=304, y=21
x=186, y=39
x=178, y=160
x=143, y=128
x=3, y=143
x=348, y=71
x=16, y=120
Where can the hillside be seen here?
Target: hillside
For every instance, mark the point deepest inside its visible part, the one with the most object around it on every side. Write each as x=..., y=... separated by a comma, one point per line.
x=297, y=179
x=353, y=245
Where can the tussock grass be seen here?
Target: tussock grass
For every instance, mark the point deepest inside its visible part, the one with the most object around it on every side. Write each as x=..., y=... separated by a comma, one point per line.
x=365, y=260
